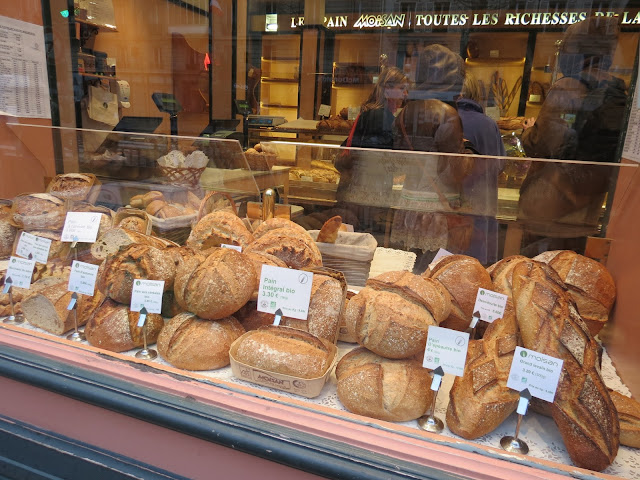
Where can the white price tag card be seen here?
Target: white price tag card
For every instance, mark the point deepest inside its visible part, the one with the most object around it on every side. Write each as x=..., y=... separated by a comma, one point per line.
x=37, y=247
x=286, y=289
x=147, y=294
x=20, y=270
x=81, y=227
x=447, y=349
x=537, y=372
x=489, y=306
x=441, y=253
x=231, y=247
x=83, y=278
x=324, y=110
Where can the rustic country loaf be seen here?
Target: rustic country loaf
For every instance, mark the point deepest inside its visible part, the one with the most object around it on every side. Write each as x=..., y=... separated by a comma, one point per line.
x=589, y=283
x=38, y=211
x=296, y=249
x=377, y=387
x=192, y=343
x=346, y=334
x=115, y=328
x=73, y=186
x=216, y=283
x=629, y=416
x=48, y=309
x=275, y=224
x=8, y=234
x=284, y=350
x=217, y=228
x=251, y=318
x=550, y=324
x=462, y=276
x=133, y=223
x=480, y=400
x=260, y=259
x=325, y=309
x=118, y=272
x=113, y=239
x=392, y=314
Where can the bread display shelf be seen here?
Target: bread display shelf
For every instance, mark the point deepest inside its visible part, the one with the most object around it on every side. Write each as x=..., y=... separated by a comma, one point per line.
x=547, y=451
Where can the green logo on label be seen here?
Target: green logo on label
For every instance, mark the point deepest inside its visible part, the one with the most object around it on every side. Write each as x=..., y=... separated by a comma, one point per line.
x=523, y=353
x=138, y=283
x=13, y=260
x=481, y=292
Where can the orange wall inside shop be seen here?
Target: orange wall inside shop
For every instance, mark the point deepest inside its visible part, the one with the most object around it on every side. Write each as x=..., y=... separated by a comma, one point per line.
x=26, y=156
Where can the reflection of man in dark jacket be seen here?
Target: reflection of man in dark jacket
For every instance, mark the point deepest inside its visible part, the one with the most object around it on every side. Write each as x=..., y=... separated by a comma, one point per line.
x=581, y=119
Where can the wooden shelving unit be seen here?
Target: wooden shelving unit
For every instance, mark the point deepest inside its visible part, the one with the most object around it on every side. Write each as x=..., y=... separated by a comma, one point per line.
x=279, y=83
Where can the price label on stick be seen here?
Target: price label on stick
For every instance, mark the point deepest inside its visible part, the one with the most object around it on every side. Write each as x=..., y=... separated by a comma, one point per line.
x=537, y=372
x=147, y=294
x=20, y=270
x=285, y=289
x=441, y=253
x=489, y=306
x=83, y=278
x=81, y=227
x=37, y=247
x=447, y=349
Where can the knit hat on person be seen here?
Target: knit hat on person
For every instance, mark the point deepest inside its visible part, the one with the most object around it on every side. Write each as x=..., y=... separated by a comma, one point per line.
x=439, y=75
x=591, y=42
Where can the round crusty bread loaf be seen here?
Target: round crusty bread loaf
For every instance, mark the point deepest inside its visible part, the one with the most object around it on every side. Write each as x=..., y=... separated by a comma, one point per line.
x=462, y=276
x=376, y=387
x=192, y=343
x=325, y=306
x=297, y=250
x=216, y=283
x=7, y=237
x=275, y=224
x=346, y=333
x=133, y=223
x=117, y=273
x=501, y=274
x=589, y=283
x=115, y=328
x=217, y=228
x=38, y=211
x=392, y=314
x=260, y=259
x=283, y=350
x=47, y=309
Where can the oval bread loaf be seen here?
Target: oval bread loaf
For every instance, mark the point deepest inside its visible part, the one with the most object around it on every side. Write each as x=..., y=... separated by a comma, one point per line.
x=192, y=343
x=284, y=350
x=115, y=328
x=216, y=283
x=376, y=387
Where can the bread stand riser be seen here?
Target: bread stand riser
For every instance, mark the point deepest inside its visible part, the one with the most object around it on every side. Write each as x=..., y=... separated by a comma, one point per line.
x=514, y=444
x=145, y=353
x=430, y=422
x=12, y=319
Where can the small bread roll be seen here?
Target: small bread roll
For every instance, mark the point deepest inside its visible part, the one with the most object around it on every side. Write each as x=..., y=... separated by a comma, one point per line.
x=134, y=223
x=151, y=196
x=329, y=231
x=154, y=207
x=137, y=201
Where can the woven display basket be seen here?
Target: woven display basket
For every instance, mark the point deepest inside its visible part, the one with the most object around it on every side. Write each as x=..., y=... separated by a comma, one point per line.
x=176, y=229
x=181, y=175
x=260, y=161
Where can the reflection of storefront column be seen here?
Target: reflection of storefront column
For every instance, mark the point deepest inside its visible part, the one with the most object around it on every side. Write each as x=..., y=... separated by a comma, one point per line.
x=312, y=37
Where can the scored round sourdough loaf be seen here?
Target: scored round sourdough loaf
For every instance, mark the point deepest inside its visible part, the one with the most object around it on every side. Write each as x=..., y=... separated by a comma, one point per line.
x=377, y=387
x=117, y=273
x=38, y=211
x=216, y=283
x=462, y=276
x=589, y=283
x=217, y=228
x=392, y=314
x=260, y=259
x=275, y=224
x=284, y=350
x=297, y=249
x=115, y=328
x=192, y=343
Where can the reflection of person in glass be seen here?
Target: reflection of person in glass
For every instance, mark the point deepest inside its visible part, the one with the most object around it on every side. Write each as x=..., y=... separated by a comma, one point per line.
x=364, y=178
x=581, y=119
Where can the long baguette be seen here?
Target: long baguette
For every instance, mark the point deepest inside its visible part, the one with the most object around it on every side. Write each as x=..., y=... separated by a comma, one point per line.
x=550, y=324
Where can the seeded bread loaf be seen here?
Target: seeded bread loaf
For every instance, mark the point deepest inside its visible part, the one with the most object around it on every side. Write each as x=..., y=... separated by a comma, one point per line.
x=377, y=387
x=192, y=343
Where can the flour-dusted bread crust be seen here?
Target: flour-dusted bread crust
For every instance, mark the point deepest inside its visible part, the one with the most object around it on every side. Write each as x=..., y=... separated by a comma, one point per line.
x=191, y=343
x=38, y=211
x=219, y=227
x=296, y=249
x=480, y=400
x=260, y=259
x=325, y=307
x=74, y=186
x=113, y=239
x=550, y=324
x=115, y=328
x=216, y=283
x=118, y=272
x=589, y=283
x=275, y=224
x=377, y=387
x=462, y=276
x=284, y=350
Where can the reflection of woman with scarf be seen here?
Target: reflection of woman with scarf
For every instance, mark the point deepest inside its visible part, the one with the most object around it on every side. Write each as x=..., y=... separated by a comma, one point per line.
x=581, y=119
